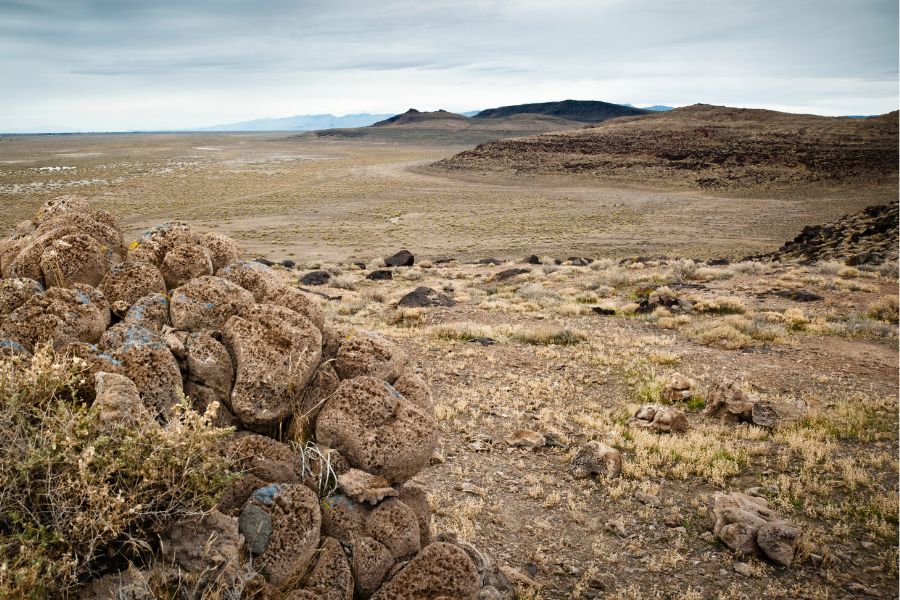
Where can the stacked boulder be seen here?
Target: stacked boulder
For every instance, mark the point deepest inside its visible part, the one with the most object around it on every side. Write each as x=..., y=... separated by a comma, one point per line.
x=176, y=313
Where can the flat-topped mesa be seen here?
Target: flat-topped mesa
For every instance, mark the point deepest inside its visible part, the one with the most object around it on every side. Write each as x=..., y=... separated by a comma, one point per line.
x=326, y=429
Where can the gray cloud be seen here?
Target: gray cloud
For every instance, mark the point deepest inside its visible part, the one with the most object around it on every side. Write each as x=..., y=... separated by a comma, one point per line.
x=105, y=64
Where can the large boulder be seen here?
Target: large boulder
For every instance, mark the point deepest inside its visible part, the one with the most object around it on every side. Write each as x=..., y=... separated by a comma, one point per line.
x=262, y=457
x=150, y=311
x=376, y=429
x=183, y=263
x=281, y=524
x=207, y=303
x=153, y=244
x=415, y=389
x=221, y=248
x=118, y=403
x=275, y=352
x=125, y=283
x=150, y=364
x=253, y=276
x=60, y=316
x=61, y=205
x=15, y=292
x=440, y=571
x=369, y=354
x=396, y=527
x=297, y=301
x=403, y=258
x=76, y=258
x=321, y=387
x=211, y=547
x=371, y=562
x=331, y=577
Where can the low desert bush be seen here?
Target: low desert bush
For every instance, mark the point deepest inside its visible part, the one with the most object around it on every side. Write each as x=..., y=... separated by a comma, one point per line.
x=884, y=309
x=74, y=496
x=546, y=335
x=726, y=305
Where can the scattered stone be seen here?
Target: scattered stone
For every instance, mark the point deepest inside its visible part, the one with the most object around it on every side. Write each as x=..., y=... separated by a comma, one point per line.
x=606, y=312
x=365, y=487
x=423, y=297
x=263, y=261
x=510, y=273
x=371, y=355
x=579, y=261
x=648, y=499
x=380, y=275
x=316, y=278
x=376, y=429
x=483, y=341
x=729, y=402
x=469, y=488
x=797, y=295
x=403, y=258
x=524, y=438
x=534, y=259
x=677, y=388
x=490, y=261
x=360, y=265
x=742, y=568
x=748, y=526
x=662, y=418
x=596, y=458
x=287, y=263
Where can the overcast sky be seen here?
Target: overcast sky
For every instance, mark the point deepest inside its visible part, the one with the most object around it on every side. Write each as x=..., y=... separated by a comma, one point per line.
x=155, y=64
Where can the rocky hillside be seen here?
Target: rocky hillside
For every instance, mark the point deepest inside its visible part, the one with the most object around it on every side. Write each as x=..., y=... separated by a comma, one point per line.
x=585, y=111
x=413, y=116
x=867, y=237
x=708, y=147
x=322, y=430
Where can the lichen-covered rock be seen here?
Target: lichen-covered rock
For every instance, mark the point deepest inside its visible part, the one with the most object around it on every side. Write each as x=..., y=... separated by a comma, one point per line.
x=127, y=282
x=321, y=386
x=293, y=510
x=396, y=527
x=207, y=303
x=376, y=429
x=150, y=364
x=60, y=205
x=118, y=403
x=253, y=276
x=440, y=571
x=662, y=418
x=15, y=292
x=275, y=352
x=211, y=546
x=365, y=487
x=221, y=248
x=596, y=458
x=331, y=577
x=94, y=360
x=76, y=258
x=153, y=244
x=297, y=301
x=109, y=237
x=748, y=526
x=183, y=263
x=265, y=458
x=151, y=311
x=414, y=389
x=59, y=315
x=372, y=355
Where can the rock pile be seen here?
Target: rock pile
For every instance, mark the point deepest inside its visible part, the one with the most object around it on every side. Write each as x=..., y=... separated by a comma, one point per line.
x=176, y=313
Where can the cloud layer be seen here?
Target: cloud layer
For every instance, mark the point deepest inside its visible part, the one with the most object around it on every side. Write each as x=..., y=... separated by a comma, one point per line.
x=121, y=65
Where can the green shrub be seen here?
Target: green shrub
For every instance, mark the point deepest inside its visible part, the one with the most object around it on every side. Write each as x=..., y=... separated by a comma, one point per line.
x=73, y=497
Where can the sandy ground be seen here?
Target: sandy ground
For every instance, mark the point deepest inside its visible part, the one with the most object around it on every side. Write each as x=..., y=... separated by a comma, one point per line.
x=339, y=200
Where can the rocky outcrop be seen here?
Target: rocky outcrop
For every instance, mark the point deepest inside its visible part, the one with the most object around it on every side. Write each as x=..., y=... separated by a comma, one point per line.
x=748, y=526
x=661, y=418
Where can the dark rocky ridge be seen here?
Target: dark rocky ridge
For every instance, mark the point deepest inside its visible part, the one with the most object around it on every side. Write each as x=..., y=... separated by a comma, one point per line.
x=585, y=111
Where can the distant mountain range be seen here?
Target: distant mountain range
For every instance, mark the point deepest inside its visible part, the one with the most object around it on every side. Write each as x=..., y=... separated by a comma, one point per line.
x=584, y=111
x=300, y=123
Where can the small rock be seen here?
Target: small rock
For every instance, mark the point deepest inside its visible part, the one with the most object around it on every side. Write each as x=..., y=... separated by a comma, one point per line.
x=708, y=537
x=423, y=297
x=524, y=438
x=509, y=274
x=316, y=278
x=665, y=419
x=263, y=261
x=742, y=568
x=288, y=263
x=648, y=499
x=403, y=258
x=596, y=458
x=605, y=312
x=380, y=275
x=365, y=487
x=534, y=259
x=490, y=261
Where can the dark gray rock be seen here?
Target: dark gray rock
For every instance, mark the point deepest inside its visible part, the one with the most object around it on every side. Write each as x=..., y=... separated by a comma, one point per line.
x=256, y=526
x=380, y=275
x=316, y=278
x=424, y=296
x=403, y=258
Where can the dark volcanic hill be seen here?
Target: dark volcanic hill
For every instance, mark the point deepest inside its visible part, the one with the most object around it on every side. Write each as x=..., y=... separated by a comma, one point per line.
x=867, y=237
x=584, y=111
x=413, y=116
x=702, y=146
